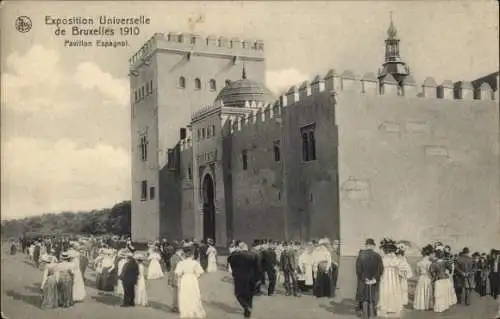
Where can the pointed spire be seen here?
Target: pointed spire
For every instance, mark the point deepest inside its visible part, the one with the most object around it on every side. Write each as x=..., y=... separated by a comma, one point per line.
x=392, y=32
x=244, y=73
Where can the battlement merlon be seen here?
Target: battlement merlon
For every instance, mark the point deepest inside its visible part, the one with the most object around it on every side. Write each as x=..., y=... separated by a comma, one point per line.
x=368, y=84
x=194, y=44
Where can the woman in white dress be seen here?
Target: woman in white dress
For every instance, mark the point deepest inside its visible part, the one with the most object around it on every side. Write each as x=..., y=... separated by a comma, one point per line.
x=141, y=295
x=119, y=284
x=212, y=256
x=154, y=269
x=423, y=292
x=406, y=272
x=391, y=300
x=79, y=292
x=188, y=271
x=306, y=266
x=232, y=248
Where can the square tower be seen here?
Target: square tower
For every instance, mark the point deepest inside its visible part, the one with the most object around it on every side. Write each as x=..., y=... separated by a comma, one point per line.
x=171, y=77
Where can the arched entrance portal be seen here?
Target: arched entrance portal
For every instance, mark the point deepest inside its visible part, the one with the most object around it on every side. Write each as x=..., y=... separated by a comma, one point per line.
x=208, y=207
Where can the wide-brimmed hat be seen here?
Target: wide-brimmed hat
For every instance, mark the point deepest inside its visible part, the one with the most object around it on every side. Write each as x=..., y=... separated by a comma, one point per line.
x=65, y=256
x=139, y=257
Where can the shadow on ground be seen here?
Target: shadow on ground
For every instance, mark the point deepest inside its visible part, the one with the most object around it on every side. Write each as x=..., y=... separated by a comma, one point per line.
x=346, y=307
x=224, y=307
x=33, y=300
x=159, y=306
x=109, y=300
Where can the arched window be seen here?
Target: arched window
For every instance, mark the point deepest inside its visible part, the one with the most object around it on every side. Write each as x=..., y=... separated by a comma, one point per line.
x=203, y=133
x=182, y=82
x=228, y=82
x=197, y=84
x=180, y=38
x=305, y=147
x=312, y=146
x=212, y=85
x=193, y=40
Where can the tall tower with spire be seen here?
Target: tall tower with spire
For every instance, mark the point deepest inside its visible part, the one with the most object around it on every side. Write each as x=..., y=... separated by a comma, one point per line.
x=393, y=64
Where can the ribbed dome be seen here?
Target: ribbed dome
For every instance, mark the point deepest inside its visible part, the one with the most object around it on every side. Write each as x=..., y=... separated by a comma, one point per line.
x=240, y=91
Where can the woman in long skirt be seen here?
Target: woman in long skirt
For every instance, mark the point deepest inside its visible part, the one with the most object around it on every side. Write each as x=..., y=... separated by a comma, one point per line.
x=79, y=292
x=212, y=257
x=119, y=284
x=50, y=294
x=391, y=300
x=423, y=292
x=64, y=278
x=154, y=269
x=141, y=295
x=188, y=271
x=322, y=260
x=441, y=283
x=406, y=272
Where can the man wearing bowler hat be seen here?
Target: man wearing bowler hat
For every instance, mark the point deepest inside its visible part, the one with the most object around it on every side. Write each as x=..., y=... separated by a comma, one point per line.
x=369, y=269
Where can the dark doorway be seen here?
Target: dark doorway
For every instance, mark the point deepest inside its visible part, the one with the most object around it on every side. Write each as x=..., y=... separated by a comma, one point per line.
x=208, y=207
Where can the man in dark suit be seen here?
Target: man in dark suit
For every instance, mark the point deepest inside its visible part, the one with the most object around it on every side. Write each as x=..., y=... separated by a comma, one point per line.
x=289, y=266
x=269, y=262
x=203, y=254
x=245, y=266
x=36, y=254
x=464, y=270
x=369, y=269
x=129, y=277
x=494, y=266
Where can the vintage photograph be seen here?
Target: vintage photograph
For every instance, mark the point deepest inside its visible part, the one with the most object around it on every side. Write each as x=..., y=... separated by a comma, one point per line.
x=252, y=159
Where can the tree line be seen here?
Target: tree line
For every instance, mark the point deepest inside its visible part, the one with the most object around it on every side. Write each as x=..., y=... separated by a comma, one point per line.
x=115, y=220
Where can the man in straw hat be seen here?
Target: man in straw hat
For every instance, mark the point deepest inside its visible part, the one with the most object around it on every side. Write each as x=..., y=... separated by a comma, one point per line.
x=129, y=277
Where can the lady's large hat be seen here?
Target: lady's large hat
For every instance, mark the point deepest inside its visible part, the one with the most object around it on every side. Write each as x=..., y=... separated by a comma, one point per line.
x=139, y=257
x=65, y=256
x=323, y=241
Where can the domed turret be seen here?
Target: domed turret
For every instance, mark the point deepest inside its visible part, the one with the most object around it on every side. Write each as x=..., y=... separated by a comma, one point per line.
x=238, y=92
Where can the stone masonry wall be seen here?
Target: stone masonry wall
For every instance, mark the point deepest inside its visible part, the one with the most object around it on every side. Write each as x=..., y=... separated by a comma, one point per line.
x=257, y=208
x=418, y=169
x=311, y=187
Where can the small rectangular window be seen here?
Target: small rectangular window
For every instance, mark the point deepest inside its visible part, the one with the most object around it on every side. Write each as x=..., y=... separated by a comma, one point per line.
x=152, y=192
x=244, y=159
x=190, y=173
x=144, y=190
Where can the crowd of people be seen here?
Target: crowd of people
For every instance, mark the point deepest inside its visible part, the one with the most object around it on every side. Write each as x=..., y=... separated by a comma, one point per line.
x=443, y=279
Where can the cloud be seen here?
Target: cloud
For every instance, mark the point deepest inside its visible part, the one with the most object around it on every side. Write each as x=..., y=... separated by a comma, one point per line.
x=90, y=76
x=35, y=81
x=41, y=176
x=65, y=135
x=280, y=80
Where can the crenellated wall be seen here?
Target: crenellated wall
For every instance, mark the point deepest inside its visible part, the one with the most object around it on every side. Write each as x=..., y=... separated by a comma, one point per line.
x=419, y=162
x=235, y=47
x=257, y=190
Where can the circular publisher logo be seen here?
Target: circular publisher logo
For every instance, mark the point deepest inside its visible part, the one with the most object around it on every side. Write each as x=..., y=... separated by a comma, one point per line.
x=23, y=24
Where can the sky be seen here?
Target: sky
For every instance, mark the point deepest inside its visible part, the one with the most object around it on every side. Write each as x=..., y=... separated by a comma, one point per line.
x=65, y=116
